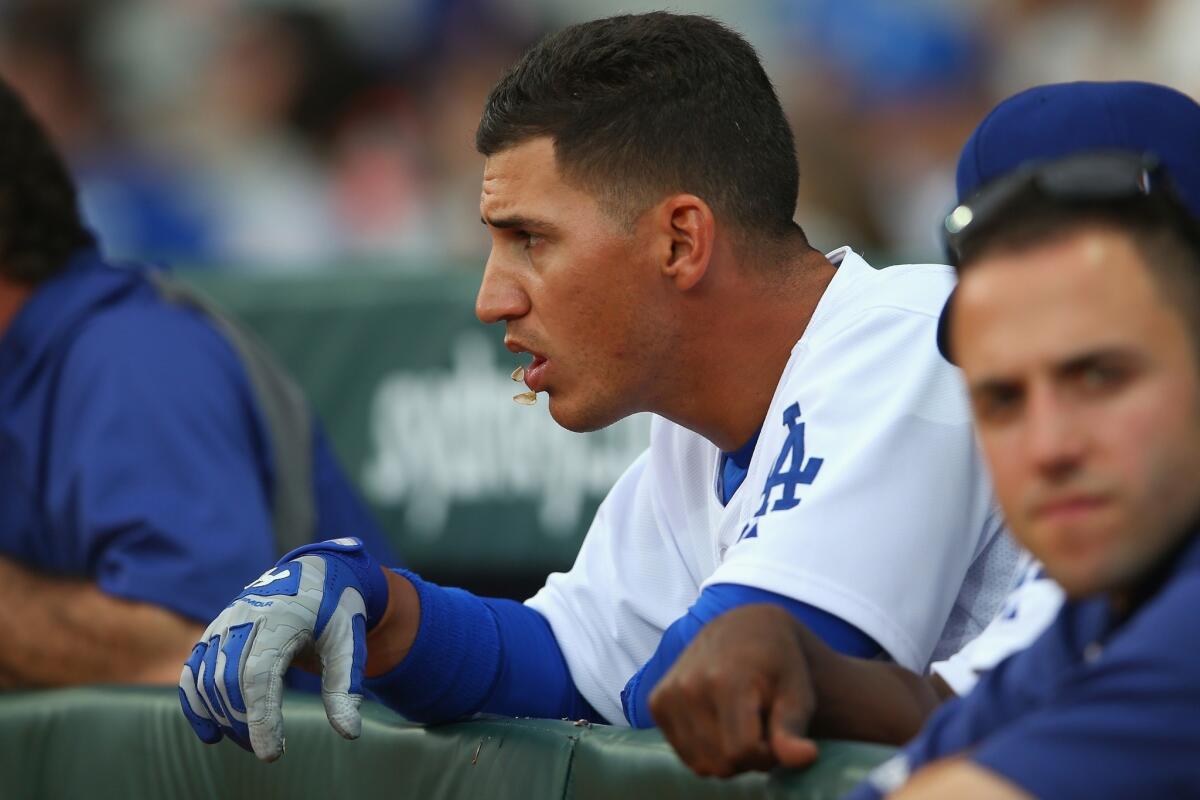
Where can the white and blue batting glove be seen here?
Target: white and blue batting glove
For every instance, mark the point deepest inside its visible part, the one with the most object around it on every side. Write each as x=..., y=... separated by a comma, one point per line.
x=325, y=596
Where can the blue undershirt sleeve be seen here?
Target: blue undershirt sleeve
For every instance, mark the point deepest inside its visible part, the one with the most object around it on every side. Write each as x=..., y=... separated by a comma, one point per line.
x=714, y=601
x=479, y=655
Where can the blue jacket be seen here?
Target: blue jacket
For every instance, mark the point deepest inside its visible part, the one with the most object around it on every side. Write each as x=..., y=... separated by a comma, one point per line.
x=134, y=449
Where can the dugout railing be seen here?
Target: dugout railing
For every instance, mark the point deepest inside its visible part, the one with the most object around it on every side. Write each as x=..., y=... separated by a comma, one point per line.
x=121, y=742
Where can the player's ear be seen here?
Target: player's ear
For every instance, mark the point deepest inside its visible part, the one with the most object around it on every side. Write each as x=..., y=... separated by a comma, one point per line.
x=687, y=225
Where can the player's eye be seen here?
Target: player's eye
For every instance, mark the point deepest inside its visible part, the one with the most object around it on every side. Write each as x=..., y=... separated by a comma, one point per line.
x=997, y=403
x=529, y=240
x=1097, y=376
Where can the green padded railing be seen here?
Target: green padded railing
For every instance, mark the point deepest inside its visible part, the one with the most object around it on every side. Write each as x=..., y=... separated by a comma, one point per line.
x=118, y=742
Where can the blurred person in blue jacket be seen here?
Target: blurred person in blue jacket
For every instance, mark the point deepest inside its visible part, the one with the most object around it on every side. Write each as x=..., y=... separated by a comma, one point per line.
x=147, y=445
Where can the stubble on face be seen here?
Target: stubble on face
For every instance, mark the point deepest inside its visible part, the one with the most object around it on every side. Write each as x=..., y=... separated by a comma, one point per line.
x=1084, y=383
x=575, y=285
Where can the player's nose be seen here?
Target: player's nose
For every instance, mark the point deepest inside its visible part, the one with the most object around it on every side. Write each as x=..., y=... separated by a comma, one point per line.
x=501, y=296
x=1055, y=437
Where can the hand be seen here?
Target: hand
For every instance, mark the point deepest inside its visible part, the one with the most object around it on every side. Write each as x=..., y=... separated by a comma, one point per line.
x=740, y=696
x=323, y=597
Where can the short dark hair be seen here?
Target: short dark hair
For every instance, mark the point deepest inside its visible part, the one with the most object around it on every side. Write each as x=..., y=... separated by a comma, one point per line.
x=641, y=106
x=40, y=225
x=1165, y=236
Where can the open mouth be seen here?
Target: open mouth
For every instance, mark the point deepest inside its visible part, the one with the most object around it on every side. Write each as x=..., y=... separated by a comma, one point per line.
x=535, y=373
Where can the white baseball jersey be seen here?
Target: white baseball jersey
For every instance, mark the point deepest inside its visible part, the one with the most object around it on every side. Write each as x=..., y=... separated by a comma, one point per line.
x=1029, y=609
x=865, y=497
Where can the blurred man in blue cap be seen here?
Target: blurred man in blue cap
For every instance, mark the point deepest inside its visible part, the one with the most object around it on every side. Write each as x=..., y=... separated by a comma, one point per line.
x=1077, y=325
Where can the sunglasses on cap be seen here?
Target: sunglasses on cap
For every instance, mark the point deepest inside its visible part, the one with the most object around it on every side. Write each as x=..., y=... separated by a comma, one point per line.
x=1118, y=179
x=1093, y=178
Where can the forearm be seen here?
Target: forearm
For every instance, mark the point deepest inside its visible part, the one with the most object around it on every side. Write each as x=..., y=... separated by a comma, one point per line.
x=865, y=700
x=62, y=632
x=440, y=654
x=391, y=639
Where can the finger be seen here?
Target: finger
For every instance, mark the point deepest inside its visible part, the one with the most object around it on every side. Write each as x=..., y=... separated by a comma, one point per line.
x=228, y=680
x=189, y=699
x=267, y=659
x=792, y=750
x=791, y=710
x=209, y=675
x=343, y=650
x=741, y=730
x=208, y=689
x=674, y=730
x=690, y=725
x=668, y=708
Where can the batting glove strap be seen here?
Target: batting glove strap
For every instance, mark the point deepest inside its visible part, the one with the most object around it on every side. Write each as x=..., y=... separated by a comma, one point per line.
x=348, y=564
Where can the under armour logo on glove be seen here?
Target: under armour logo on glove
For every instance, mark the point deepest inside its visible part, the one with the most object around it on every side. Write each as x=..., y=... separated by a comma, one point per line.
x=324, y=596
x=273, y=575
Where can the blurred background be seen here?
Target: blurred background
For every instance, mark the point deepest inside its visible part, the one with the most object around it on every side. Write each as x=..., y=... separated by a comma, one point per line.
x=318, y=134
x=311, y=164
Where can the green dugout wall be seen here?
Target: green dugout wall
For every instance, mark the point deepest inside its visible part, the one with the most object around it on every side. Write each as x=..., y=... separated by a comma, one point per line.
x=416, y=395
x=128, y=743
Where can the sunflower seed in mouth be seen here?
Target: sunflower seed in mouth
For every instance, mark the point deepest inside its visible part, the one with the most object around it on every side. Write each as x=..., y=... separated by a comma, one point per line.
x=525, y=398
x=518, y=374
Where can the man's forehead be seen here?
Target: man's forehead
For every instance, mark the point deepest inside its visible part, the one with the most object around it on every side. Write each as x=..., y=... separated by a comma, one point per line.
x=523, y=181
x=1052, y=302
x=1096, y=268
x=525, y=161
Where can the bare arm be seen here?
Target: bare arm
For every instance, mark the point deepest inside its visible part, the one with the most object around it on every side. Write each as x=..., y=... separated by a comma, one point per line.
x=63, y=632
x=391, y=639
x=866, y=700
x=755, y=683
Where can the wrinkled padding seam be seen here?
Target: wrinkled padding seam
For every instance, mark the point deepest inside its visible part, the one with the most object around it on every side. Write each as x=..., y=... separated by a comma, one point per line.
x=568, y=784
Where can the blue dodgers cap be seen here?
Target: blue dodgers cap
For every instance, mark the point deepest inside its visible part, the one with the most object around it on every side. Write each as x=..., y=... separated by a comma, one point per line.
x=1064, y=119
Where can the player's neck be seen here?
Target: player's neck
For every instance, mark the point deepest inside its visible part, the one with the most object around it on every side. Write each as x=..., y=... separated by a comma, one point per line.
x=12, y=298
x=1126, y=600
x=742, y=346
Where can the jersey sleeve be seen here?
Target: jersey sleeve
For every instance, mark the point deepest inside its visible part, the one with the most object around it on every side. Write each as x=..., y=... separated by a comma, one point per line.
x=154, y=478
x=713, y=602
x=629, y=582
x=869, y=500
x=1029, y=609
x=1123, y=723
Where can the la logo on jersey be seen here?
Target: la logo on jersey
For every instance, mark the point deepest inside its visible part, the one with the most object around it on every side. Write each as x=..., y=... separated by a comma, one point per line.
x=791, y=471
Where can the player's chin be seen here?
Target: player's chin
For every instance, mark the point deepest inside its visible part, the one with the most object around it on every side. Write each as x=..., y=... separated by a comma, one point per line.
x=578, y=415
x=1088, y=574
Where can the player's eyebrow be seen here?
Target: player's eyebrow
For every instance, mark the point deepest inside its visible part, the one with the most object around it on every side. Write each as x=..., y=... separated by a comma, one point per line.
x=519, y=222
x=992, y=386
x=1066, y=366
x=1113, y=356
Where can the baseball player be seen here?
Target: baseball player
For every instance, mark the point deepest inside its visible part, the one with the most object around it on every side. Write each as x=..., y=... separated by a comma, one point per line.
x=810, y=449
